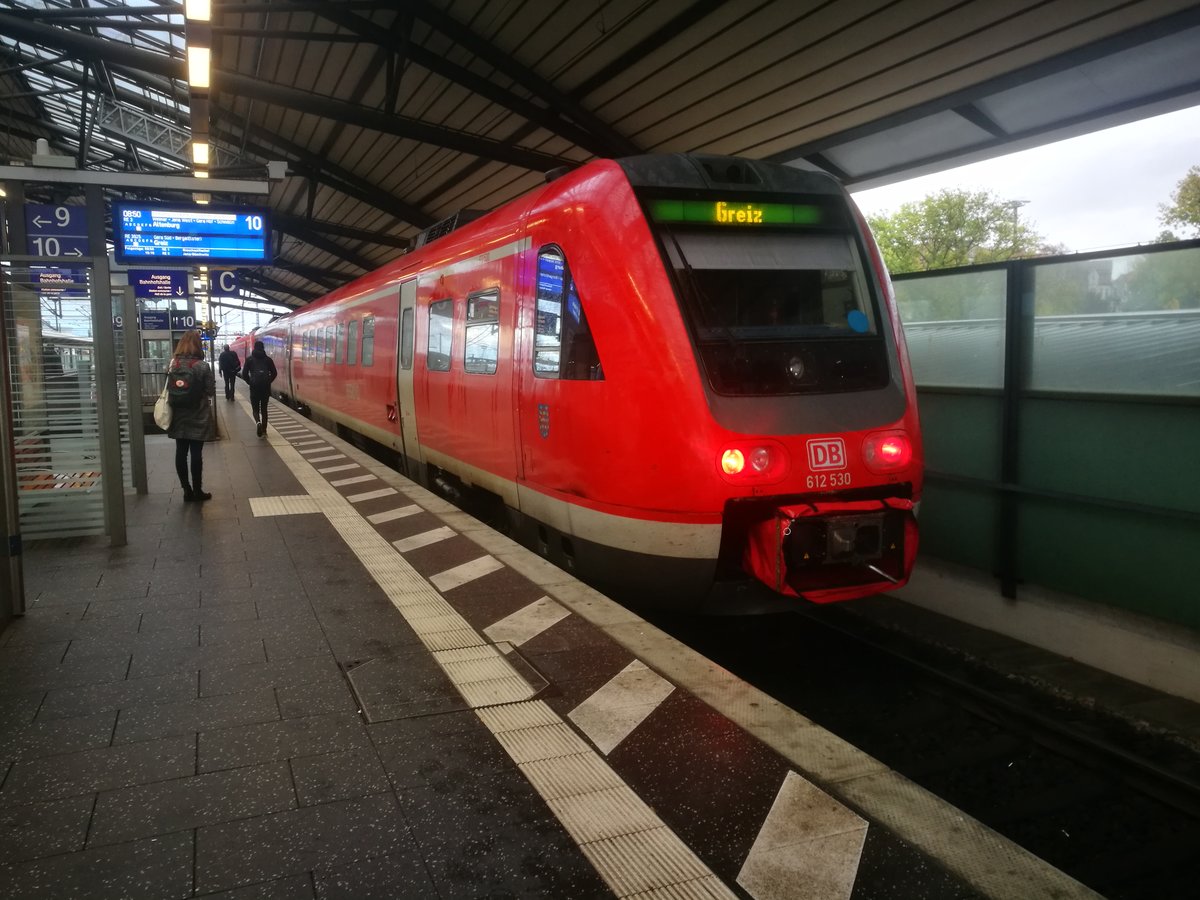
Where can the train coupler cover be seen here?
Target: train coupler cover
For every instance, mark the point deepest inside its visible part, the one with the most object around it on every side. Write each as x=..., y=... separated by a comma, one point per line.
x=829, y=551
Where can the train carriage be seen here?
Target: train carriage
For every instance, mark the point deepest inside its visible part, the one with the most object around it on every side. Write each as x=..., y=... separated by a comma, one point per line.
x=676, y=373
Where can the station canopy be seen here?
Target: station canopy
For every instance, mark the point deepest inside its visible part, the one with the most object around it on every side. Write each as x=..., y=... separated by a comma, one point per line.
x=392, y=115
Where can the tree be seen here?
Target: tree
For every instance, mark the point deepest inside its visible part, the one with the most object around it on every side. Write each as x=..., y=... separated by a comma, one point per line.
x=1184, y=210
x=954, y=228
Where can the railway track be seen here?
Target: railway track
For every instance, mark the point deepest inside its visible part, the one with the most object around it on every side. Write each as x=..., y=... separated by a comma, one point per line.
x=1114, y=807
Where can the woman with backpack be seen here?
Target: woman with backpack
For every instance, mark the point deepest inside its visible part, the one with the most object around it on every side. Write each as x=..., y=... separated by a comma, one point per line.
x=259, y=371
x=190, y=387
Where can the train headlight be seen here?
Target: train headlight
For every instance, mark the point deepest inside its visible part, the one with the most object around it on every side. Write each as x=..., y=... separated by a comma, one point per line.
x=761, y=461
x=887, y=451
x=796, y=368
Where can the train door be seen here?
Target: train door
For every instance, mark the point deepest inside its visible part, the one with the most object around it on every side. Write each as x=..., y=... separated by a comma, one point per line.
x=291, y=334
x=405, y=397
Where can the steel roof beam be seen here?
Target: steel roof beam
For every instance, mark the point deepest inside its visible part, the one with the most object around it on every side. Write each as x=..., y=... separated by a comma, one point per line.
x=619, y=144
x=386, y=123
x=357, y=234
x=329, y=174
x=540, y=115
x=288, y=225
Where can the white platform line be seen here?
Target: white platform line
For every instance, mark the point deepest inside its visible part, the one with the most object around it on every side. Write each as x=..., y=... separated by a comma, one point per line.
x=391, y=515
x=345, y=467
x=357, y=479
x=310, y=443
x=424, y=539
x=316, y=450
x=612, y=713
x=371, y=495
x=528, y=622
x=809, y=845
x=330, y=458
x=467, y=572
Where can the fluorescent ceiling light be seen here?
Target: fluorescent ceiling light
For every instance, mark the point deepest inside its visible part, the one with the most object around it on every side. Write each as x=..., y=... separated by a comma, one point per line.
x=197, y=10
x=199, y=59
x=200, y=152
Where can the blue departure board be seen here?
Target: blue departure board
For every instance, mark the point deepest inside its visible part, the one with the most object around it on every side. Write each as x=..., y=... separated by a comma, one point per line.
x=183, y=235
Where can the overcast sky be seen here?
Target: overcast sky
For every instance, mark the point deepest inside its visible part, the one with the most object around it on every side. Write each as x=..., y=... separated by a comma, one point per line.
x=1098, y=191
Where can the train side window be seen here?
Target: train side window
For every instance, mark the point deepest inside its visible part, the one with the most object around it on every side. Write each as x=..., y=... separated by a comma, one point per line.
x=441, y=335
x=563, y=345
x=482, y=346
x=352, y=343
x=406, y=338
x=368, y=341
x=328, y=343
x=340, y=344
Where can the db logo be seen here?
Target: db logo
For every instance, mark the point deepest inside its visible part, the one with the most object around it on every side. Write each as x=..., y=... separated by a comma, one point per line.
x=827, y=453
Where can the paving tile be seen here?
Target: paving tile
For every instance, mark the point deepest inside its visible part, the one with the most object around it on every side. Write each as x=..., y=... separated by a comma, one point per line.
x=48, y=737
x=44, y=829
x=331, y=835
x=22, y=677
x=381, y=878
x=290, y=637
x=250, y=744
x=203, y=615
x=67, y=623
x=164, y=661
x=159, y=868
x=281, y=673
x=367, y=633
x=316, y=699
x=493, y=835
x=88, y=771
x=339, y=776
x=18, y=710
x=438, y=750
x=145, y=723
x=133, y=692
x=149, y=603
x=164, y=639
x=295, y=887
x=186, y=803
x=403, y=685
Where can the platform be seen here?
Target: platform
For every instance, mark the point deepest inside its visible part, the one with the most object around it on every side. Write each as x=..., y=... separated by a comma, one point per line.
x=327, y=682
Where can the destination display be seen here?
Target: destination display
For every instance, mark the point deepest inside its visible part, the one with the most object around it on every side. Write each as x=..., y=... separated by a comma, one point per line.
x=736, y=213
x=188, y=235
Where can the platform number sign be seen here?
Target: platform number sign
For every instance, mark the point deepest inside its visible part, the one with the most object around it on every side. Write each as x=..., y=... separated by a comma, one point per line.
x=56, y=230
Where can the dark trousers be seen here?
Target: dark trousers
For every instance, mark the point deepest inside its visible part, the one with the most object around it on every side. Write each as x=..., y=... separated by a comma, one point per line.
x=259, y=406
x=196, y=448
x=230, y=378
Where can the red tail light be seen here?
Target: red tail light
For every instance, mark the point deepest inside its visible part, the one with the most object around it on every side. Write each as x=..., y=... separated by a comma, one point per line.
x=887, y=451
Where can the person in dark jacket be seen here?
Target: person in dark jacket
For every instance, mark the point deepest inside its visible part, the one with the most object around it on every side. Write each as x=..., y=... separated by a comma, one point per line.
x=229, y=366
x=192, y=426
x=259, y=372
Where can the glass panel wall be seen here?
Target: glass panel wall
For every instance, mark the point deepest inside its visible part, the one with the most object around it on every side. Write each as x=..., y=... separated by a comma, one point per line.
x=55, y=411
x=1076, y=474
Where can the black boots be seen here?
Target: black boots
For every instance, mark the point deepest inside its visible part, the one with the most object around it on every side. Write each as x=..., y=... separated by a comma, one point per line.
x=198, y=494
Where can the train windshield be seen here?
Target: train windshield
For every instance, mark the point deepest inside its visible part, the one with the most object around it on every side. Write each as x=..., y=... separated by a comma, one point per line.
x=780, y=311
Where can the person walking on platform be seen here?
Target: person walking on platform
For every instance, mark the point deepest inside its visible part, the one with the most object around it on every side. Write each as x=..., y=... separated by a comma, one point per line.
x=190, y=389
x=259, y=372
x=229, y=365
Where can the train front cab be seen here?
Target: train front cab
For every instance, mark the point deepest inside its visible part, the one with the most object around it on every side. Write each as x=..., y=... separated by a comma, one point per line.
x=812, y=432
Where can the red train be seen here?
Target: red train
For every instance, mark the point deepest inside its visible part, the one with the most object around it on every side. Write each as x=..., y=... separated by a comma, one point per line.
x=674, y=371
